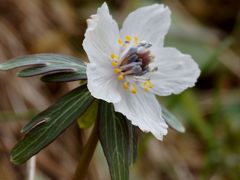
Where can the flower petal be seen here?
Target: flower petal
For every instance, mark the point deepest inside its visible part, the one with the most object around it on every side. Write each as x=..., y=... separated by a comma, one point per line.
x=102, y=83
x=101, y=36
x=144, y=111
x=176, y=71
x=150, y=23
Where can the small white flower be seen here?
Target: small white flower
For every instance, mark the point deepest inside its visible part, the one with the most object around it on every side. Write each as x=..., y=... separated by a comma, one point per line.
x=129, y=66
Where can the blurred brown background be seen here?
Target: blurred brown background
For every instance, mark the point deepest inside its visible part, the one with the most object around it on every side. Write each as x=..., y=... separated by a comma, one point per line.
x=209, y=30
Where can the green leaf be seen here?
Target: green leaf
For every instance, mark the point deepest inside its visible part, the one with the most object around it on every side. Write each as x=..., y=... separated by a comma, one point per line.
x=133, y=142
x=89, y=116
x=49, y=124
x=64, y=77
x=44, y=70
x=116, y=137
x=45, y=64
x=172, y=121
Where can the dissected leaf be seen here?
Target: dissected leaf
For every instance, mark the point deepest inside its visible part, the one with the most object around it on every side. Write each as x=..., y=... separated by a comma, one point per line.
x=49, y=124
x=45, y=64
x=89, y=116
x=116, y=137
x=172, y=121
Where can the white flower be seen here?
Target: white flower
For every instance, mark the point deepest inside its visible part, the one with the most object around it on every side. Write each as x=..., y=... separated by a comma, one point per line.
x=128, y=67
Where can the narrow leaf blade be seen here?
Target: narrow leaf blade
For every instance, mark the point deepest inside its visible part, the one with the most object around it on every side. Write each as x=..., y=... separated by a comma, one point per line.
x=115, y=138
x=48, y=64
x=133, y=142
x=44, y=70
x=41, y=60
x=64, y=77
x=172, y=121
x=49, y=124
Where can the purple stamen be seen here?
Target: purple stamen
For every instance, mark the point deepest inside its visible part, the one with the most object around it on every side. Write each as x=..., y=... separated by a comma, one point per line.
x=137, y=59
x=135, y=70
x=125, y=67
x=132, y=58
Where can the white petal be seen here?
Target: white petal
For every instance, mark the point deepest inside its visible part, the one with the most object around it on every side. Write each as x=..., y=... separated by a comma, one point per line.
x=103, y=83
x=150, y=23
x=144, y=111
x=176, y=71
x=101, y=36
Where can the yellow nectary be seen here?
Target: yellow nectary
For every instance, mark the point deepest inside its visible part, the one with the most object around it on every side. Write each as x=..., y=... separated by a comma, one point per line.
x=135, y=62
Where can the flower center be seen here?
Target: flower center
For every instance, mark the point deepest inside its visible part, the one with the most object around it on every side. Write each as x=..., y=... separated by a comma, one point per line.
x=134, y=61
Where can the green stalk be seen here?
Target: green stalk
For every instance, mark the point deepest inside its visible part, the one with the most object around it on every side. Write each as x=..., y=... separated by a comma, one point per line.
x=86, y=156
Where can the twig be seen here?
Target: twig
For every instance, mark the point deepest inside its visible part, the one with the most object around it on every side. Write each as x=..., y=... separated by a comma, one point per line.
x=31, y=168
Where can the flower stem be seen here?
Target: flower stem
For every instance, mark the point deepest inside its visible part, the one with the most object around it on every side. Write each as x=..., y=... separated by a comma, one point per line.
x=86, y=156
